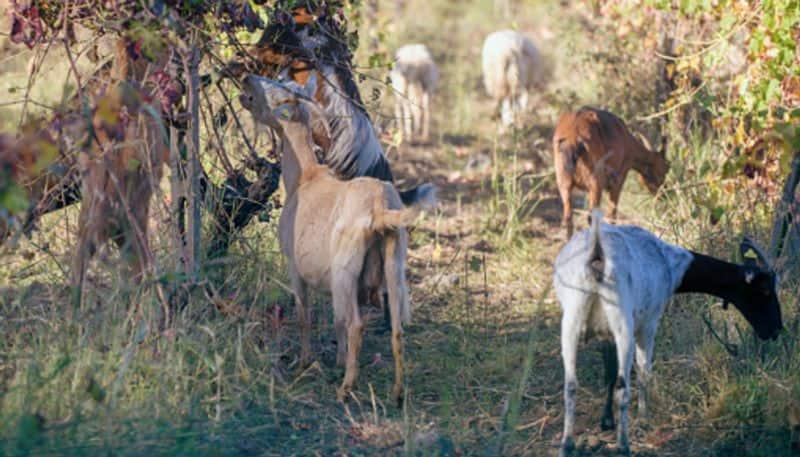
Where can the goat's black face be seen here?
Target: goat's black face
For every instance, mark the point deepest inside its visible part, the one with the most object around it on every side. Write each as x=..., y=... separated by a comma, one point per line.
x=758, y=298
x=759, y=302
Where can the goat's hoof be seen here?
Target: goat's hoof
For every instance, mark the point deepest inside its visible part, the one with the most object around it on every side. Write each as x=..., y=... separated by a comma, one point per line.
x=567, y=447
x=397, y=396
x=623, y=448
x=607, y=423
x=341, y=393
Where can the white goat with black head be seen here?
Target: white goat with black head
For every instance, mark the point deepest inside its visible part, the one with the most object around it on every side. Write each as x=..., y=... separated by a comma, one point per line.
x=414, y=77
x=614, y=281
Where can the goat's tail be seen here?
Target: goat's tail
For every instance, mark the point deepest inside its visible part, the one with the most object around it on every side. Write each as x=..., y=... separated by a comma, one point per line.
x=417, y=200
x=569, y=156
x=394, y=258
x=597, y=259
x=423, y=196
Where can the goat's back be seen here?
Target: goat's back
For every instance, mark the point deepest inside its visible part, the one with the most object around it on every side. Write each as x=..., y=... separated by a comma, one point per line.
x=414, y=65
x=511, y=64
x=639, y=269
x=590, y=136
x=327, y=221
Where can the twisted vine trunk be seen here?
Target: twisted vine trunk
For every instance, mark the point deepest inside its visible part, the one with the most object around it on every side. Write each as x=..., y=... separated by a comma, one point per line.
x=191, y=62
x=785, y=239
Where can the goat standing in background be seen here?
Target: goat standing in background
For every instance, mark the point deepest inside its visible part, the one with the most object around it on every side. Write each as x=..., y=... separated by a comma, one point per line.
x=347, y=237
x=614, y=281
x=414, y=77
x=593, y=150
x=121, y=168
x=512, y=66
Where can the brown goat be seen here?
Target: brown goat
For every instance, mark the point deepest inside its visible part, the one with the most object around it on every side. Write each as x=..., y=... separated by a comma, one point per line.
x=121, y=168
x=593, y=150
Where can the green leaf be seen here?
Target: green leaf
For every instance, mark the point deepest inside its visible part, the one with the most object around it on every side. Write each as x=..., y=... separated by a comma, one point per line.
x=14, y=198
x=95, y=391
x=727, y=21
x=475, y=263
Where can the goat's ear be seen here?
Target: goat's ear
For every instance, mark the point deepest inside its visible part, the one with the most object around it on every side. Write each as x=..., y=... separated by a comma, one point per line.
x=752, y=255
x=319, y=122
x=310, y=88
x=284, y=111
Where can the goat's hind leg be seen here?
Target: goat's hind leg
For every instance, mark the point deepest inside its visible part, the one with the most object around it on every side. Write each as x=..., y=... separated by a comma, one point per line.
x=644, y=363
x=300, y=291
x=394, y=264
x=621, y=327
x=571, y=323
x=345, y=305
x=609, y=350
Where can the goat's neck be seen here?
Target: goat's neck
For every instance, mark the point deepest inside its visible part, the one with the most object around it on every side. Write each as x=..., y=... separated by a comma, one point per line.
x=297, y=158
x=712, y=276
x=643, y=158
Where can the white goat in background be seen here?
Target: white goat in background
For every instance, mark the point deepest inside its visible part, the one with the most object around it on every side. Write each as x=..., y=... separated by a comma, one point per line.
x=414, y=77
x=614, y=281
x=512, y=66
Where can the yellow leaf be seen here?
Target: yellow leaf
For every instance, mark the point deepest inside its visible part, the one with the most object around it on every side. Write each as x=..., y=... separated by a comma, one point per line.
x=437, y=253
x=106, y=111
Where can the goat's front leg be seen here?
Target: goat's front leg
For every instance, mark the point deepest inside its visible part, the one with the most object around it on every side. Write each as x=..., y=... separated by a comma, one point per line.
x=565, y=191
x=613, y=201
x=611, y=368
x=80, y=260
x=595, y=192
x=398, y=113
x=614, y=193
x=507, y=113
x=426, y=113
x=300, y=290
x=408, y=119
x=85, y=249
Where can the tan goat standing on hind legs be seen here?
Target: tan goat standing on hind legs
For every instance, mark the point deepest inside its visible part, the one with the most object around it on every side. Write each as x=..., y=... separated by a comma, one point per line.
x=121, y=167
x=593, y=150
x=344, y=236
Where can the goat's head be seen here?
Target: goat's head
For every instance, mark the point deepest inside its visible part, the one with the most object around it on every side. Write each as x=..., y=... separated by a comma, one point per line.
x=275, y=104
x=653, y=166
x=757, y=299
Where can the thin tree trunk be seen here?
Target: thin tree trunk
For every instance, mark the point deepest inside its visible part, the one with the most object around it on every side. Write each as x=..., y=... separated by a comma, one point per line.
x=191, y=62
x=178, y=201
x=785, y=230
